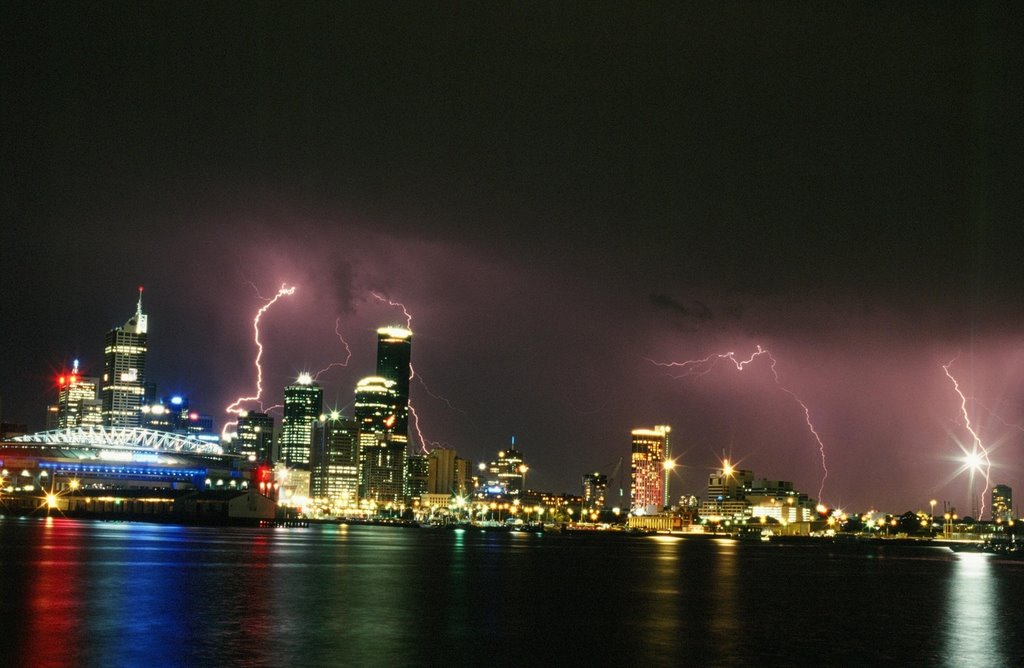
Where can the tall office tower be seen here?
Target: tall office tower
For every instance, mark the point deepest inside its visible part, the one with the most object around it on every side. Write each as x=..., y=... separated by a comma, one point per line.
x=199, y=425
x=394, y=350
x=382, y=458
x=52, y=416
x=78, y=401
x=647, y=466
x=124, y=370
x=417, y=474
x=303, y=403
x=595, y=485
x=1002, y=503
x=441, y=471
x=157, y=417
x=255, y=436
x=334, y=460
x=510, y=471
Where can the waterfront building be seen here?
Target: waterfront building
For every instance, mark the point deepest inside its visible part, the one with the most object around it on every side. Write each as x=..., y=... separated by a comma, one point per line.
x=382, y=450
x=647, y=464
x=726, y=492
x=255, y=440
x=510, y=471
x=595, y=486
x=394, y=354
x=102, y=457
x=417, y=475
x=778, y=500
x=124, y=370
x=303, y=404
x=447, y=473
x=78, y=400
x=1002, y=503
x=334, y=460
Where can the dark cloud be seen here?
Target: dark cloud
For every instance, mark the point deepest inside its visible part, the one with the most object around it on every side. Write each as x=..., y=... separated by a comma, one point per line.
x=689, y=316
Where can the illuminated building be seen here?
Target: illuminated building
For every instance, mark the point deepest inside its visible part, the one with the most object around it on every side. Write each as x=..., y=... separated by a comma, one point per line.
x=173, y=414
x=78, y=401
x=730, y=484
x=121, y=458
x=726, y=493
x=157, y=416
x=447, y=473
x=382, y=450
x=124, y=370
x=510, y=470
x=1002, y=503
x=52, y=416
x=595, y=485
x=778, y=500
x=255, y=436
x=303, y=403
x=647, y=463
x=334, y=460
x=394, y=350
x=417, y=475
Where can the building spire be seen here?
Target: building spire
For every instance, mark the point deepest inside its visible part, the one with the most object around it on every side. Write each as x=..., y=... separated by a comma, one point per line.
x=138, y=308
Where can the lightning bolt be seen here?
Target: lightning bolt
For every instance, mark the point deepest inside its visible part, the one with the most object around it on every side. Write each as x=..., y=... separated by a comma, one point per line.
x=348, y=351
x=446, y=401
x=995, y=415
x=235, y=408
x=979, y=449
x=424, y=441
x=704, y=366
x=405, y=311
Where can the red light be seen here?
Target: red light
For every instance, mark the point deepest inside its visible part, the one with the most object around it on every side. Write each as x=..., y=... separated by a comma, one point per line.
x=74, y=379
x=61, y=380
x=193, y=416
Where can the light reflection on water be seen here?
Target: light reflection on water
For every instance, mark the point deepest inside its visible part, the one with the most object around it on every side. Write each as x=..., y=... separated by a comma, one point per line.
x=89, y=593
x=972, y=633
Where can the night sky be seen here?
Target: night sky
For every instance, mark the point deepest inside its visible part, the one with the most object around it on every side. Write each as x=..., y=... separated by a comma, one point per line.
x=558, y=193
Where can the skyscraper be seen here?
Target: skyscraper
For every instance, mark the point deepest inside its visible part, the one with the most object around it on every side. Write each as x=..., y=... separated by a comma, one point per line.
x=382, y=456
x=394, y=352
x=303, y=403
x=255, y=436
x=334, y=460
x=78, y=401
x=417, y=475
x=447, y=473
x=1002, y=503
x=124, y=370
x=647, y=466
x=595, y=485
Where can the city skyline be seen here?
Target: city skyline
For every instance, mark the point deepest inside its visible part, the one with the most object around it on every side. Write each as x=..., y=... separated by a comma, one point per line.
x=557, y=203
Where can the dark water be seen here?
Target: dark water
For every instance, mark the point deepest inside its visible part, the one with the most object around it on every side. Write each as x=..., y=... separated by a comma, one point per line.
x=87, y=593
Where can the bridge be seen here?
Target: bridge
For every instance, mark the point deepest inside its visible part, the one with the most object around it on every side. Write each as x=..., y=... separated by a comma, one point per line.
x=121, y=438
